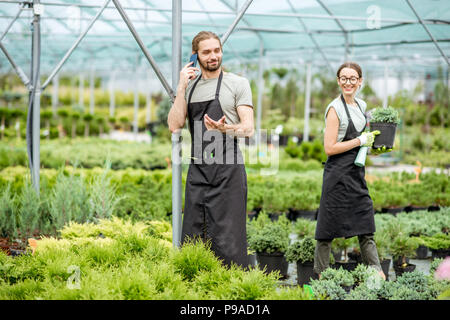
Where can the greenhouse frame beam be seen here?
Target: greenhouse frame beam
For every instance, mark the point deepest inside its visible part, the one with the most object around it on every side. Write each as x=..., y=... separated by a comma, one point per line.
x=263, y=14
x=147, y=54
x=74, y=46
x=23, y=77
x=313, y=39
x=236, y=21
x=429, y=33
x=341, y=26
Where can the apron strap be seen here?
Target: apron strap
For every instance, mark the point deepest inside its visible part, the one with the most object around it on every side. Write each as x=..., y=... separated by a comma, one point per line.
x=348, y=113
x=218, y=85
x=193, y=87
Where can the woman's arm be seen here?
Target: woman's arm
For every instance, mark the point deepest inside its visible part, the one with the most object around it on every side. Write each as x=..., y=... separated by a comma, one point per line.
x=331, y=133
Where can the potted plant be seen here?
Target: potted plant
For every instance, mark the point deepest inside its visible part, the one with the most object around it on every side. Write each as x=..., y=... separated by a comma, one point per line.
x=401, y=247
x=439, y=245
x=341, y=277
x=304, y=228
x=384, y=120
x=302, y=252
x=270, y=241
x=342, y=244
x=382, y=242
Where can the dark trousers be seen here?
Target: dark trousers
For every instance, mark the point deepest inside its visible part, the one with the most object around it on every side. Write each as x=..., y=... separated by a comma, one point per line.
x=367, y=245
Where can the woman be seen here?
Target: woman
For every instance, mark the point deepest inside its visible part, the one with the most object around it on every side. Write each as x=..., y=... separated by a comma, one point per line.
x=346, y=209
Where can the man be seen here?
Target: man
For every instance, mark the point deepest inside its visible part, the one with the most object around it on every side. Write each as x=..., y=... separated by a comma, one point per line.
x=219, y=109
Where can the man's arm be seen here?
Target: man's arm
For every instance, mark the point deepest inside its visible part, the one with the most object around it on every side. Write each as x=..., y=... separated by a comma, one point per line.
x=178, y=112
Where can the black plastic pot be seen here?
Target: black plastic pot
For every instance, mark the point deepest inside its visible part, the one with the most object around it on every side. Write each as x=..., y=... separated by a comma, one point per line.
x=350, y=265
x=440, y=253
x=414, y=208
x=387, y=134
x=397, y=261
x=252, y=260
x=347, y=288
x=399, y=270
x=305, y=272
x=355, y=256
x=308, y=214
x=16, y=252
x=385, y=264
x=422, y=252
x=392, y=211
x=273, y=262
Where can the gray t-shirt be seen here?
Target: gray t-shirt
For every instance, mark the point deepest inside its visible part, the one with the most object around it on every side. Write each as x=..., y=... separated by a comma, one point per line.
x=357, y=117
x=234, y=91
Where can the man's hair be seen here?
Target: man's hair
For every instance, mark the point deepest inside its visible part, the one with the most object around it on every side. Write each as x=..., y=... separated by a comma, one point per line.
x=351, y=65
x=204, y=35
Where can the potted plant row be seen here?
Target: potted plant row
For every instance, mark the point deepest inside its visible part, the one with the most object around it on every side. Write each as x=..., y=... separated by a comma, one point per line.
x=270, y=240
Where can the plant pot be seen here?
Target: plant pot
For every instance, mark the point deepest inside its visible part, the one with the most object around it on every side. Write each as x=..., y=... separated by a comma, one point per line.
x=440, y=253
x=347, y=288
x=392, y=211
x=293, y=214
x=273, y=262
x=385, y=264
x=308, y=214
x=397, y=261
x=350, y=265
x=355, y=256
x=399, y=270
x=305, y=272
x=274, y=216
x=414, y=208
x=387, y=134
x=434, y=208
x=16, y=252
x=252, y=260
x=337, y=255
x=422, y=252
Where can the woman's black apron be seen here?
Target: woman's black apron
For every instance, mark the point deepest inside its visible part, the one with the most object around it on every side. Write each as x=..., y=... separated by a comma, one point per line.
x=216, y=193
x=346, y=209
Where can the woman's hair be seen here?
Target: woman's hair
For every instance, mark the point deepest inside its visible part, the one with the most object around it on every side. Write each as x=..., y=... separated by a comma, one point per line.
x=351, y=65
x=203, y=35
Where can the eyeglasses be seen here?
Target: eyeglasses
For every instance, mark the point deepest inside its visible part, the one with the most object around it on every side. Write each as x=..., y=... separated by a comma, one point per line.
x=353, y=80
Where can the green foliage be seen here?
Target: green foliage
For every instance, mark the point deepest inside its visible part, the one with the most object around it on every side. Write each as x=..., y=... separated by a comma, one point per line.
x=269, y=237
x=8, y=213
x=28, y=212
x=304, y=228
x=302, y=251
x=327, y=289
x=403, y=246
x=339, y=276
x=437, y=241
x=385, y=115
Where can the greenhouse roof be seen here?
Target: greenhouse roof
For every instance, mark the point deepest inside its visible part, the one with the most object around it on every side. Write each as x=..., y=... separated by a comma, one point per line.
x=410, y=36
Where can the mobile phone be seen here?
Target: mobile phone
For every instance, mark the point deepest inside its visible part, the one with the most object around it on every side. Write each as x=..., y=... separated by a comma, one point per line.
x=194, y=59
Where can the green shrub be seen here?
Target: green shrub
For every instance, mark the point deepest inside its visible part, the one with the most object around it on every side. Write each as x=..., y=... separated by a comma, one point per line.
x=8, y=211
x=271, y=238
x=302, y=251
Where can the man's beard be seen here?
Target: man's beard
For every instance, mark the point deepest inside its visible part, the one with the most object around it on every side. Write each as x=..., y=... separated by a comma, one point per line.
x=210, y=68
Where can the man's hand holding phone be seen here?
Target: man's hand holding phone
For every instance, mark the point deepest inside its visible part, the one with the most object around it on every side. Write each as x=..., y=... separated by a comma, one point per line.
x=187, y=73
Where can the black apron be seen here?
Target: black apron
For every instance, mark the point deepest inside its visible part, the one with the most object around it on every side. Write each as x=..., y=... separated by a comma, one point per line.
x=346, y=209
x=216, y=193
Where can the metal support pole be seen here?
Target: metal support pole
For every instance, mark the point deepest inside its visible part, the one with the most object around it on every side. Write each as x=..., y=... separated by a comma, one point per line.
x=81, y=91
x=77, y=42
x=176, y=136
x=55, y=94
x=307, y=102
x=33, y=120
x=235, y=22
x=147, y=54
x=260, y=93
x=91, y=91
x=112, y=97
x=136, y=105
